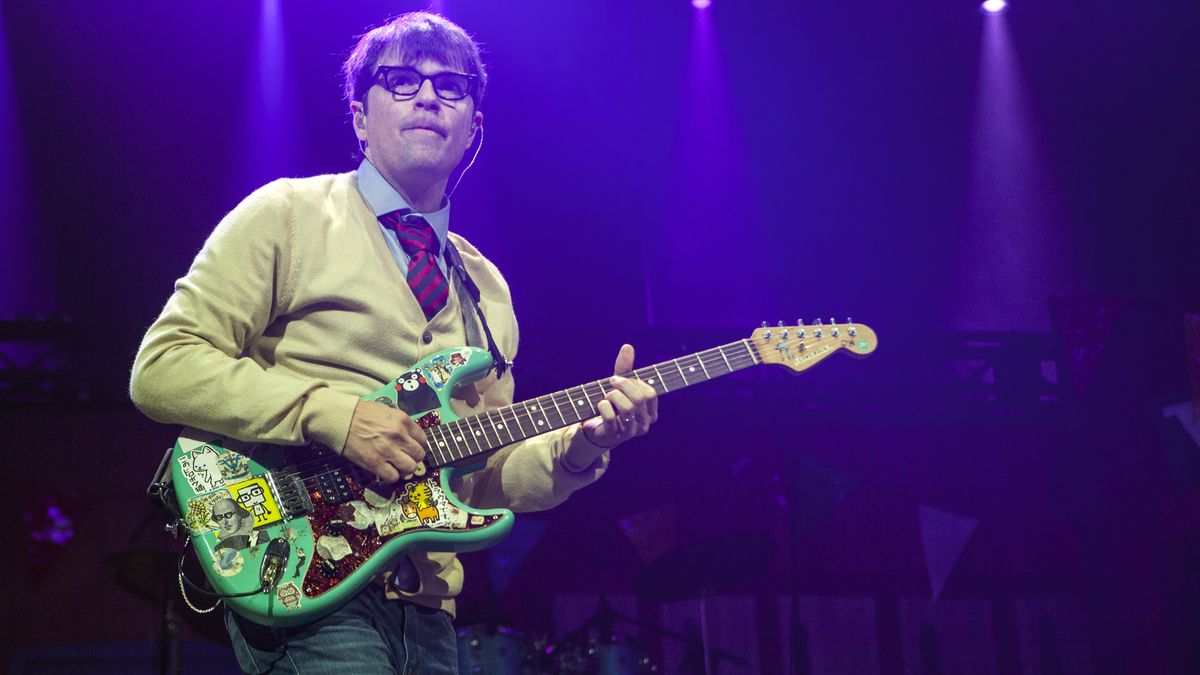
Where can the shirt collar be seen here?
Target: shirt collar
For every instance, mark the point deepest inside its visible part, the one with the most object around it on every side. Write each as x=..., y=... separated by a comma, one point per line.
x=383, y=198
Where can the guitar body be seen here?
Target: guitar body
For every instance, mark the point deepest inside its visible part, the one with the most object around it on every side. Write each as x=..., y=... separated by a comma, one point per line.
x=310, y=527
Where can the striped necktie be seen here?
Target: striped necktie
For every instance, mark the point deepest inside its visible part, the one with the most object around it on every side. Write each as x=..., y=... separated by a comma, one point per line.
x=428, y=284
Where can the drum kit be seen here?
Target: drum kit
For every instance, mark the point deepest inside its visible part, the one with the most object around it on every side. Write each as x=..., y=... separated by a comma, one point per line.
x=597, y=647
x=592, y=649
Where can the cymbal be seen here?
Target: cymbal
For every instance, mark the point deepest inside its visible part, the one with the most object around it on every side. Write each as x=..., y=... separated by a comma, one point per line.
x=716, y=563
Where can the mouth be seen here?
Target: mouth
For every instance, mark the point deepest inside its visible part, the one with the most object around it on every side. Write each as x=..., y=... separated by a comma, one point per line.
x=426, y=127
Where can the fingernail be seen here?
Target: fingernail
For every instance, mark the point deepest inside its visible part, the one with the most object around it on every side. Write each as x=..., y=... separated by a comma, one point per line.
x=617, y=379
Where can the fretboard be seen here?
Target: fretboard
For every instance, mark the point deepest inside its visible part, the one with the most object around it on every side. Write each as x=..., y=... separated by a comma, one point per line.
x=459, y=441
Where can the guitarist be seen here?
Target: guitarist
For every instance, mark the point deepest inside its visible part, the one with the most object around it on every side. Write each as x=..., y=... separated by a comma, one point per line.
x=304, y=298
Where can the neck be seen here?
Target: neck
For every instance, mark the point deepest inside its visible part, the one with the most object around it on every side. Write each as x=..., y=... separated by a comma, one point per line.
x=422, y=192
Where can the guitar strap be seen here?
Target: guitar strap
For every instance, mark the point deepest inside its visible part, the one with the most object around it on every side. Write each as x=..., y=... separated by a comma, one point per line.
x=468, y=289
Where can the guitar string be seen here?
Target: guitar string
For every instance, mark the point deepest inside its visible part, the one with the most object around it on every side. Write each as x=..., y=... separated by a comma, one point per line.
x=476, y=424
x=322, y=466
x=319, y=467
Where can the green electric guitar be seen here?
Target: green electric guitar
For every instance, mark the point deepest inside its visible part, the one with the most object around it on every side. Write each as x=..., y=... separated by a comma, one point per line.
x=287, y=534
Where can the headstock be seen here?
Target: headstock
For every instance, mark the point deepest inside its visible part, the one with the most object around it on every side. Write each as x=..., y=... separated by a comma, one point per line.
x=802, y=346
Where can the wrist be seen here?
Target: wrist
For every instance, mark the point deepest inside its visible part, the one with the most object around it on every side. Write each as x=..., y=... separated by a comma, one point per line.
x=587, y=436
x=582, y=454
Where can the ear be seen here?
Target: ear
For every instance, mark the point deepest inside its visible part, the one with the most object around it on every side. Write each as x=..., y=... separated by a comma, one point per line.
x=360, y=119
x=476, y=123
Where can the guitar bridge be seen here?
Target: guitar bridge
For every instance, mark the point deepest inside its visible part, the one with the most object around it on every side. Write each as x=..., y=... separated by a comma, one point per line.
x=293, y=496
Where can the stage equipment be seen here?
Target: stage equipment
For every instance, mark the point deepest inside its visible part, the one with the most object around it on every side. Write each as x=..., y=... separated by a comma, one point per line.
x=595, y=647
x=33, y=355
x=699, y=569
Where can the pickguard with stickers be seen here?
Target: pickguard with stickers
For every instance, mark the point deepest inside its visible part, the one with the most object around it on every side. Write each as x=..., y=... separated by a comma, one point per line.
x=290, y=533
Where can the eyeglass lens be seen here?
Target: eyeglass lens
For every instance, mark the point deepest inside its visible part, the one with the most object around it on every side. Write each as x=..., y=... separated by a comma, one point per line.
x=407, y=81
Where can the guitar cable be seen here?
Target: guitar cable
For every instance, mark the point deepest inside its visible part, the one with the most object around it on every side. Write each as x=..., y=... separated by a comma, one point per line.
x=183, y=579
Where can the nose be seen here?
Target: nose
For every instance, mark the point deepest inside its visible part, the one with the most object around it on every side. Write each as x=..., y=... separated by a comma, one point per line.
x=426, y=97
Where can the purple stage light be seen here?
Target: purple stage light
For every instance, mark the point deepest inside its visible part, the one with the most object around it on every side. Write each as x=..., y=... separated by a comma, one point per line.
x=994, y=6
x=701, y=4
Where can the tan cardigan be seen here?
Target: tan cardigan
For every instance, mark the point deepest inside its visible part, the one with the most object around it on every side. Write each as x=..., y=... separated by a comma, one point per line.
x=294, y=309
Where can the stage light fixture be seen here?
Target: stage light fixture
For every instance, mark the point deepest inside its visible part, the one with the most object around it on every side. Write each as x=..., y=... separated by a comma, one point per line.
x=701, y=4
x=994, y=6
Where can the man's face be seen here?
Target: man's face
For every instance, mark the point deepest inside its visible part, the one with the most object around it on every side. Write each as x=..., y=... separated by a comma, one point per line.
x=419, y=138
x=230, y=518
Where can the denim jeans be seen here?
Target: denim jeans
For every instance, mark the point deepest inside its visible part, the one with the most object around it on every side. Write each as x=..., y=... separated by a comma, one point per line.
x=370, y=634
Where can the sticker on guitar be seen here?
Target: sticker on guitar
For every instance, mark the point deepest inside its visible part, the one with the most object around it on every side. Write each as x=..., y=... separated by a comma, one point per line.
x=255, y=496
x=419, y=504
x=202, y=469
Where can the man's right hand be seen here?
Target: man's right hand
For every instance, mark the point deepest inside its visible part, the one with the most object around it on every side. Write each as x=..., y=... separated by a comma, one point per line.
x=385, y=441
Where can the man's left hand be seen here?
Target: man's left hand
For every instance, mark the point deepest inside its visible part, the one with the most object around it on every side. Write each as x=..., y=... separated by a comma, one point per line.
x=627, y=411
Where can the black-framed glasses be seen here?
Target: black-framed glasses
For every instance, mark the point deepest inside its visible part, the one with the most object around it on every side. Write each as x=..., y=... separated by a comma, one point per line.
x=406, y=82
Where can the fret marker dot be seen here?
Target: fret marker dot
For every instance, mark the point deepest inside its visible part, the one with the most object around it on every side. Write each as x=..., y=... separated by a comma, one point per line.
x=499, y=426
x=650, y=381
x=691, y=369
x=441, y=444
x=458, y=438
x=478, y=433
x=533, y=408
x=579, y=403
x=540, y=423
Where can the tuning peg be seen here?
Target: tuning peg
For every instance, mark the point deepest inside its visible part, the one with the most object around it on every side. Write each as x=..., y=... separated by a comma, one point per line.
x=767, y=331
x=849, y=321
x=832, y=321
x=818, y=322
x=799, y=322
x=834, y=331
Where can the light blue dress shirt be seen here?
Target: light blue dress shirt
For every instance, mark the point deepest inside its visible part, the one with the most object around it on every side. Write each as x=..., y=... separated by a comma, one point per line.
x=383, y=198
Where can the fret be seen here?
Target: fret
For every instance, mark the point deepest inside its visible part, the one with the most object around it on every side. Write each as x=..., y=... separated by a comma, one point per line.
x=471, y=433
x=554, y=400
x=504, y=423
x=660, y=379
x=516, y=415
x=456, y=449
x=463, y=429
x=700, y=360
x=498, y=427
x=456, y=437
x=438, y=457
x=721, y=351
x=543, y=424
x=680, y=369
x=480, y=431
x=750, y=351
x=578, y=403
x=439, y=440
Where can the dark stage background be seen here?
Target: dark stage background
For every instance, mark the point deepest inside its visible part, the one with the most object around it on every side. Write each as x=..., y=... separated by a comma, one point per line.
x=1009, y=201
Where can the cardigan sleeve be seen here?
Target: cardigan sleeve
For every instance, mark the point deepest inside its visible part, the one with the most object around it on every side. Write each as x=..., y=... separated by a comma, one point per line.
x=529, y=475
x=191, y=367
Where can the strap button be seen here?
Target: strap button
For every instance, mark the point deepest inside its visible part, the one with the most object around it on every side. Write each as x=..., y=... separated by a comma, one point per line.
x=427, y=337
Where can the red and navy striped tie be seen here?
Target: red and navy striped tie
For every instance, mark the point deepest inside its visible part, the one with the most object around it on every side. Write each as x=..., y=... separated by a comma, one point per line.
x=428, y=284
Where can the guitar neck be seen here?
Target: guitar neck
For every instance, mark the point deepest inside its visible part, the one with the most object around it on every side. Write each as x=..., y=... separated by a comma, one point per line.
x=460, y=441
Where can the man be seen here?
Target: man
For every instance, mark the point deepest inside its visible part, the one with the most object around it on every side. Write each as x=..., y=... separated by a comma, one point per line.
x=314, y=292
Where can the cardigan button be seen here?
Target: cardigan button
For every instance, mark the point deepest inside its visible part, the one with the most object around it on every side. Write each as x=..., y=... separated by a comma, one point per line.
x=427, y=337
